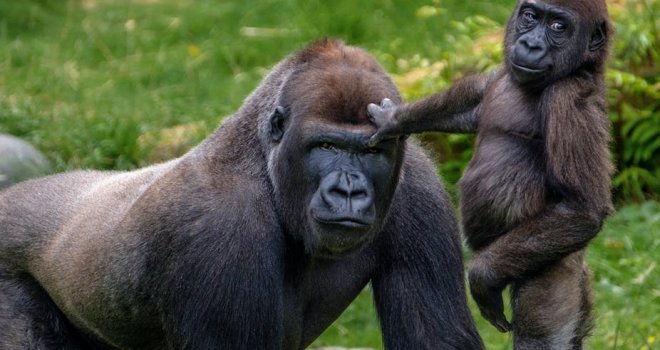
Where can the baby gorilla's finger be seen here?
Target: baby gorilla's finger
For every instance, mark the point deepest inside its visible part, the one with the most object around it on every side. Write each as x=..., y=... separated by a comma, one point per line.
x=373, y=110
x=375, y=139
x=495, y=316
x=502, y=324
x=386, y=103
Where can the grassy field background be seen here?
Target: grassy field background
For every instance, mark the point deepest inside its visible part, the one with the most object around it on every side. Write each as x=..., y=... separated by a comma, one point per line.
x=118, y=84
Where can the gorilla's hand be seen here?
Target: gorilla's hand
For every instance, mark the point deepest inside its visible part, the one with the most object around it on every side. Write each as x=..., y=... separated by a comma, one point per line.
x=383, y=117
x=486, y=289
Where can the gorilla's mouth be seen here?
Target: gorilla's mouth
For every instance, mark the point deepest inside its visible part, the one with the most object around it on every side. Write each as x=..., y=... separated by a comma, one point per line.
x=528, y=70
x=340, y=232
x=348, y=222
x=527, y=75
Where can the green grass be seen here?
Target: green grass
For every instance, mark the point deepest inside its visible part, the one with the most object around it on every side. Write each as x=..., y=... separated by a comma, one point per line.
x=119, y=84
x=83, y=79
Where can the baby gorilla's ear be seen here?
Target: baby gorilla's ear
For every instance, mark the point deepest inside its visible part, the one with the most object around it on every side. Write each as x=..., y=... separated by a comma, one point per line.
x=277, y=123
x=599, y=37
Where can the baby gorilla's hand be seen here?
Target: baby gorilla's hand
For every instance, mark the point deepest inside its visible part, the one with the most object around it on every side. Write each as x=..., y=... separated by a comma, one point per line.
x=383, y=117
x=486, y=289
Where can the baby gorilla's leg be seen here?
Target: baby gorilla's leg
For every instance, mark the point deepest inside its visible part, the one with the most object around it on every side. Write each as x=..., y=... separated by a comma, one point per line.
x=551, y=311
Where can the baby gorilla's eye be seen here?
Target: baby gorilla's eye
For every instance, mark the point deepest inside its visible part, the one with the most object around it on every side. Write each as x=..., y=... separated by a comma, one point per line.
x=557, y=26
x=328, y=146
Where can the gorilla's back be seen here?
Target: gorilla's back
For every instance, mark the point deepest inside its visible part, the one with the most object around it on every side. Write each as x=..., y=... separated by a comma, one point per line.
x=31, y=212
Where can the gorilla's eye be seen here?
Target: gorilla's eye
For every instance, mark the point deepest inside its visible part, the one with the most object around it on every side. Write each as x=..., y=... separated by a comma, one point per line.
x=530, y=16
x=373, y=150
x=557, y=26
x=328, y=146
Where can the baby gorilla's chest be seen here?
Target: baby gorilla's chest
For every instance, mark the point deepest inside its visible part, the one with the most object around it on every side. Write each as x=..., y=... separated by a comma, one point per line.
x=505, y=179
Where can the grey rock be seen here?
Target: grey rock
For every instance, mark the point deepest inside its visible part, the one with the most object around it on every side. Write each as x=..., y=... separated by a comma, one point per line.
x=20, y=161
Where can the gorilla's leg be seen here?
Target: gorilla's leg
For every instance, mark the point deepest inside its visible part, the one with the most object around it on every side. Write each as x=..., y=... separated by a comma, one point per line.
x=586, y=323
x=551, y=311
x=29, y=319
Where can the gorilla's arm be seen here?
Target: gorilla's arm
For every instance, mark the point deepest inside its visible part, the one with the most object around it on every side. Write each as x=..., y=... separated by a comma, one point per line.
x=557, y=232
x=240, y=304
x=420, y=276
x=454, y=110
x=578, y=172
x=217, y=261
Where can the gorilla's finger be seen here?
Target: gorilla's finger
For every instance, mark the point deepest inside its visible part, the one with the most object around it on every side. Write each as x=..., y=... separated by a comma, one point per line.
x=386, y=103
x=373, y=110
x=375, y=139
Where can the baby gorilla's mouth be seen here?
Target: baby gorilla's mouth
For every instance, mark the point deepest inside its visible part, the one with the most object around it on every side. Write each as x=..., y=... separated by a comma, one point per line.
x=528, y=70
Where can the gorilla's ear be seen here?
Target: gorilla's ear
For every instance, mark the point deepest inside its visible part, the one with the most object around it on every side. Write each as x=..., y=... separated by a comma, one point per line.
x=277, y=120
x=599, y=37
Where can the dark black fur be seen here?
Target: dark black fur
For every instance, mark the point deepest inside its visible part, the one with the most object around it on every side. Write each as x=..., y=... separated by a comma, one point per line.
x=219, y=249
x=538, y=186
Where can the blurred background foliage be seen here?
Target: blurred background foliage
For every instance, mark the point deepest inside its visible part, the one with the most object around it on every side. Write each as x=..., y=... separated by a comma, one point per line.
x=118, y=84
x=94, y=82
x=634, y=98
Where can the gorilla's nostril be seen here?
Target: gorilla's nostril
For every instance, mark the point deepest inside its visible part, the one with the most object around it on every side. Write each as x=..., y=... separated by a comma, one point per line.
x=348, y=194
x=338, y=192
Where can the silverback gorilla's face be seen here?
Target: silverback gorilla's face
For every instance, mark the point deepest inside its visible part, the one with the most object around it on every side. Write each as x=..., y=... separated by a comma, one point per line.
x=325, y=174
x=350, y=180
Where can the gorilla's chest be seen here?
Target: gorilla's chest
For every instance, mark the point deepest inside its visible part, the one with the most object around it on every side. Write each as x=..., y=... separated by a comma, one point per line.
x=318, y=293
x=506, y=172
x=504, y=176
x=509, y=110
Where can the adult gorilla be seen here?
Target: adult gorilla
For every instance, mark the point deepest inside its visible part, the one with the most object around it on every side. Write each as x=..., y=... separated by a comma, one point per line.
x=256, y=239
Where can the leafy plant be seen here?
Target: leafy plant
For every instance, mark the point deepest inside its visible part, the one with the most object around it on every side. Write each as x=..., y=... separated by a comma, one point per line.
x=634, y=99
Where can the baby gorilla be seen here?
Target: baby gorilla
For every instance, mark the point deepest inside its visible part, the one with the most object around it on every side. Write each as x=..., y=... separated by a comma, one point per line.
x=538, y=187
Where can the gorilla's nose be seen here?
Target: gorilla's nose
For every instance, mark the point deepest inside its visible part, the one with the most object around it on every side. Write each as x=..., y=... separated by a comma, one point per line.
x=348, y=191
x=530, y=50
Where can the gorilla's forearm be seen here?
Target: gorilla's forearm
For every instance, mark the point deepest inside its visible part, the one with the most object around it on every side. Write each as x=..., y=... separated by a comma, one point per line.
x=529, y=247
x=405, y=316
x=454, y=110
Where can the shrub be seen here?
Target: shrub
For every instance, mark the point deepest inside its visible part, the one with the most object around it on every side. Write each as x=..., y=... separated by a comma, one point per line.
x=633, y=98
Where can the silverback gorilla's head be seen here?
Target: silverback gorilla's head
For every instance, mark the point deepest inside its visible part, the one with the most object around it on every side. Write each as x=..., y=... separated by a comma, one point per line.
x=332, y=188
